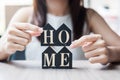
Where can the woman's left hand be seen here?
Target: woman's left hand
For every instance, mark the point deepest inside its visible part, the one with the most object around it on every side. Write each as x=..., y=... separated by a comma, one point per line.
x=94, y=47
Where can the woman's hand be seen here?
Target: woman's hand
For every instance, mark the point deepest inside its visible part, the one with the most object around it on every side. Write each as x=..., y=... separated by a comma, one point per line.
x=18, y=35
x=94, y=47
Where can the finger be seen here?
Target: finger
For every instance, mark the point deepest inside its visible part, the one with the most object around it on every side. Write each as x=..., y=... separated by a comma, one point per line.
x=20, y=33
x=27, y=26
x=94, y=53
x=12, y=48
x=93, y=46
x=89, y=38
x=103, y=59
x=35, y=33
x=18, y=40
x=84, y=39
x=87, y=44
x=19, y=47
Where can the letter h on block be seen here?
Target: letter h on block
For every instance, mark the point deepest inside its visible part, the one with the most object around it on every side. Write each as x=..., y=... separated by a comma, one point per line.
x=48, y=36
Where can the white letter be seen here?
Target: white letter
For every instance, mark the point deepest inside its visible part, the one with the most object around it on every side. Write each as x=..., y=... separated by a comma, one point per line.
x=64, y=59
x=51, y=37
x=52, y=59
x=67, y=36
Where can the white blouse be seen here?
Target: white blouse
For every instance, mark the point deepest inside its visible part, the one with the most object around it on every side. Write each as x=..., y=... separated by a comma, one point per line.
x=34, y=49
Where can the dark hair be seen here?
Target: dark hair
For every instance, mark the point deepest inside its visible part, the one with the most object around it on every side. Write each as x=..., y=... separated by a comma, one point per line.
x=77, y=11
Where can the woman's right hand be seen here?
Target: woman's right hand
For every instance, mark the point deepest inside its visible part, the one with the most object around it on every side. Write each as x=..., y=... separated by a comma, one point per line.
x=17, y=36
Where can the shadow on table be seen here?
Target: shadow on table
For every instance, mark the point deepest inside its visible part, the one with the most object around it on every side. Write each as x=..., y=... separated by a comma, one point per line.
x=37, y=65
x=111, y=66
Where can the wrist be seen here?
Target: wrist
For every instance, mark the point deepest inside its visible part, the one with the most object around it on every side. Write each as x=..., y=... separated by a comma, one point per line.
x=3, y=54
x=113, y=54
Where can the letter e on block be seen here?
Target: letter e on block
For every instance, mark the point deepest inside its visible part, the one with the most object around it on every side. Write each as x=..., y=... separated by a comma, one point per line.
x=64, y=59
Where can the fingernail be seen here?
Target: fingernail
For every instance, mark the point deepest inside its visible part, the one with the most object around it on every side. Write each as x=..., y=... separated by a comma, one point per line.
x=74, y=42
x=36, y=34
x=72, y=46
x=41, y=30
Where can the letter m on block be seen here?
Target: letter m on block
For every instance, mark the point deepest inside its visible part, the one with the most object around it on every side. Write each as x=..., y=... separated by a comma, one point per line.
x=48, y=58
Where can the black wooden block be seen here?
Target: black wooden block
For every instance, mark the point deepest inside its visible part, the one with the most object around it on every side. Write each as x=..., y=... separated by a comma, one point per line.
x=48, y=58
x=64, y=59
x=52, y=37
x=61, y=60
x=48, y=36
x=63, y=36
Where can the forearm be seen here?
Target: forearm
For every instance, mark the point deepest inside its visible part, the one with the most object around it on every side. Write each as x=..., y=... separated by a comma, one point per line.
x=114, y=53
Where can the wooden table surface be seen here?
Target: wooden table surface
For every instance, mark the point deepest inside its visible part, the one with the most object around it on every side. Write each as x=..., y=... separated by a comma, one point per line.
x=82, y=70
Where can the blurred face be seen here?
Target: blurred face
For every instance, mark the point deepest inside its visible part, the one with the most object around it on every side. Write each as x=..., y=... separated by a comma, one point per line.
x=57, y=7
x=54, y=3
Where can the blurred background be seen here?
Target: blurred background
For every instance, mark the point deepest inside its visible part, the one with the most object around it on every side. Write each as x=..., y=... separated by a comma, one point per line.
x=108, y=9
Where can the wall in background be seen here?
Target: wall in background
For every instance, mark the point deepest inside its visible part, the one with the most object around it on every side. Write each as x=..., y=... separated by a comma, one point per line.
x=109, y=10
x=7, y=9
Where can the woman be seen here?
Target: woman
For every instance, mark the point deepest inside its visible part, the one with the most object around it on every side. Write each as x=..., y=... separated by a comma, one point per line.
x=101, y=47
